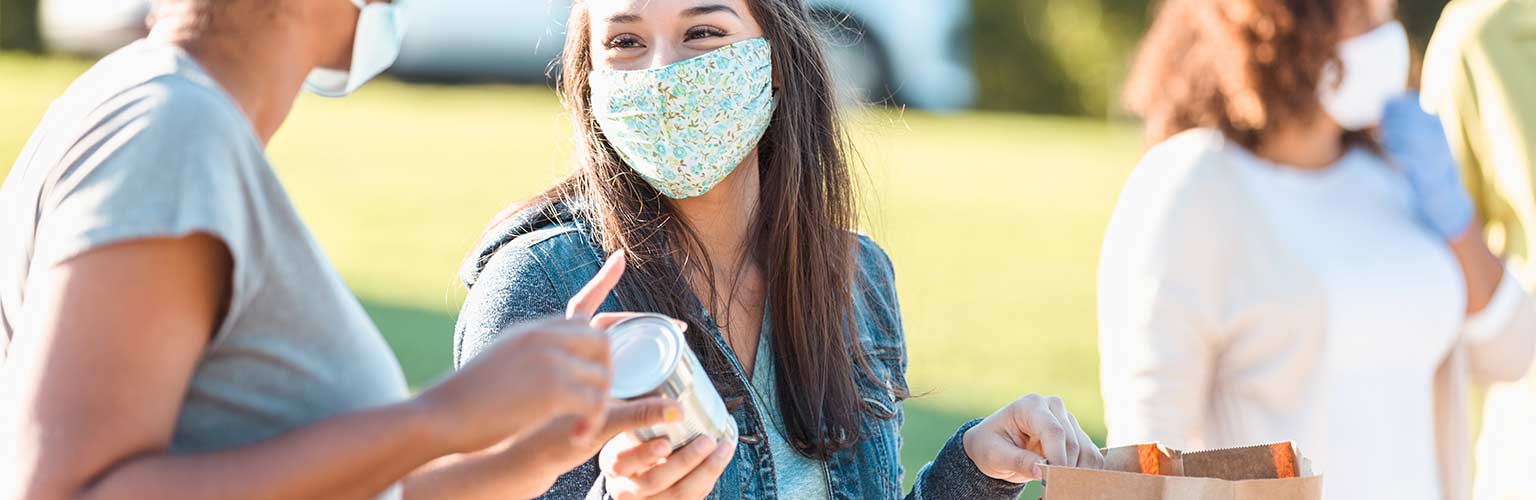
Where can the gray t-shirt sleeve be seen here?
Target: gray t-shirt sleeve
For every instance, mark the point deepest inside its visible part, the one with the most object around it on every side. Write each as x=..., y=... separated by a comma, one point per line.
x=164, y=159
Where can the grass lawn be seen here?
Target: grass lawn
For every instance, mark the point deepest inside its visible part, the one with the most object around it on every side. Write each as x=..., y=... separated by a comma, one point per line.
x=993, y=221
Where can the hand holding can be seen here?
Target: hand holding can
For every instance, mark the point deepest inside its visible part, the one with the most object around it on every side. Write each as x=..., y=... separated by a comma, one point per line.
x=635, y=470
x=535, y=372
x=681, y=459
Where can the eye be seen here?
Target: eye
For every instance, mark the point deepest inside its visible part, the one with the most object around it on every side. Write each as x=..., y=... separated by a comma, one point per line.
x=701, y=32
x=625, y=41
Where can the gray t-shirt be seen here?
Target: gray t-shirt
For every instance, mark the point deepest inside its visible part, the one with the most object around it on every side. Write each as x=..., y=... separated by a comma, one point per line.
x=796, y=475
x=146, y=145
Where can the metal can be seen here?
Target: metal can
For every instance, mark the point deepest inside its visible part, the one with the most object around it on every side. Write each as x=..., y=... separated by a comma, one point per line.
x=651, y=358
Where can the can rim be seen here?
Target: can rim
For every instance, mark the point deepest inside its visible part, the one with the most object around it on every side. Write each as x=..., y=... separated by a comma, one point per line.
x=638, y=378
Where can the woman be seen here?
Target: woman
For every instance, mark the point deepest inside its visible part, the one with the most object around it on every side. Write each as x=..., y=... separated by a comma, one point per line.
x=171, y=329
x=1478, y=45
x=1277, y=269
x=708, y=150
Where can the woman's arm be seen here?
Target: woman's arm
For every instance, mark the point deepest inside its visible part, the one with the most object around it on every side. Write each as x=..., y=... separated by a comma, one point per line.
x=96, y=379
x=1500, y=334
x=993, y=458
x=1482, y=270
x=1162, y=276
x=1416, y=142
x=1501, y=327
x=515, y=285
x=107, y=347
x=528, y=466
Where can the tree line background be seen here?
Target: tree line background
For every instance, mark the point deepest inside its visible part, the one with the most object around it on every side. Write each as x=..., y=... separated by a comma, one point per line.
x=1072, y=56
x=1040, y=56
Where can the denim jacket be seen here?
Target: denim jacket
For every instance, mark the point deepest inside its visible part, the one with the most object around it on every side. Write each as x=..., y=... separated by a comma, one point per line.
x=536, y=261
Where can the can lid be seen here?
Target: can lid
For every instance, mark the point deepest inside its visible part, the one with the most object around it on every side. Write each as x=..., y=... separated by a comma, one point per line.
x=644, y=352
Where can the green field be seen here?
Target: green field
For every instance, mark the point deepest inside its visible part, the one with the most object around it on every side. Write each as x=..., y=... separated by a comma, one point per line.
x=993, y=221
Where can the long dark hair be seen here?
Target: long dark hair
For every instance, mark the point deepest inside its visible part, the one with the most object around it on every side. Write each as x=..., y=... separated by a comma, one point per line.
x=801, y=237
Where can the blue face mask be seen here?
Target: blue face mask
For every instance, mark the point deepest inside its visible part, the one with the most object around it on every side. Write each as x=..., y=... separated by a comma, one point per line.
x=684, y=127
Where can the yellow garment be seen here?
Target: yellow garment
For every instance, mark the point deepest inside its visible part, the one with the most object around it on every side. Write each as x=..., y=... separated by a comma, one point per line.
x=1480, y=78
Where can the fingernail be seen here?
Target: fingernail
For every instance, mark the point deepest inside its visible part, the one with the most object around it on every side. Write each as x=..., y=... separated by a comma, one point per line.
x=672, y=415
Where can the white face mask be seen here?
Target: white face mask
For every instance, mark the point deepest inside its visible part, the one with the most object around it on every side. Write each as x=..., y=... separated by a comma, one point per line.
x=1375, y=70
x=374, y=49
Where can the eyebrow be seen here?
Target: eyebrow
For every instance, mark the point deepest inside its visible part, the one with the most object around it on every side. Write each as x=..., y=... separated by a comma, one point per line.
x=629, y=17
x=624, y=18
x=710, y=9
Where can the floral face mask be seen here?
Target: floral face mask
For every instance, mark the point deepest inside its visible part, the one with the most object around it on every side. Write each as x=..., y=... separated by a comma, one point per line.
x=684, y=127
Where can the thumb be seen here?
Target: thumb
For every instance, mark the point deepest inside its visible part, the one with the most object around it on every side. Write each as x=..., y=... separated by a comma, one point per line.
x=630, y=415
x=1001, y=458
x=1028, y=465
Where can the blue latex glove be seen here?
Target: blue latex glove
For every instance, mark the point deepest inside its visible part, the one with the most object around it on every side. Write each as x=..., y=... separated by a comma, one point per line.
x=1415, y=141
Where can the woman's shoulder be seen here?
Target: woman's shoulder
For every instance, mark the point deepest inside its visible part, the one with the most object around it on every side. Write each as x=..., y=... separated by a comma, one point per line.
x=540, y=237
x=1185, y=206
x=525, y=268
x=1192, y=159
x=1190, y=172
x=872, y=258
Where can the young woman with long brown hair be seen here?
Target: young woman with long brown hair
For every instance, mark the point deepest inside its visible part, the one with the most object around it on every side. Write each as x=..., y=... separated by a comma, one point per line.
x=1296, y=257
x=709, y=152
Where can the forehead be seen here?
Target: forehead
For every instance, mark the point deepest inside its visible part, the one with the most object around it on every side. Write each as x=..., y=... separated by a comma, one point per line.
x=603, y=10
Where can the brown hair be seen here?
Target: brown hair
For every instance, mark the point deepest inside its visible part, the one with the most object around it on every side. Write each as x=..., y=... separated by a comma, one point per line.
x=1244, y=67
x=802, y=236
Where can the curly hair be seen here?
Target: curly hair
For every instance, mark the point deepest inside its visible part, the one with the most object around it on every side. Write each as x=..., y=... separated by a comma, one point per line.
x=1244, y=67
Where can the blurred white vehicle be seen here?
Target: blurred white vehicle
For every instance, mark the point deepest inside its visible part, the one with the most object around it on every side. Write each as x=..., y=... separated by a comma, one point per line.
x=914, y=52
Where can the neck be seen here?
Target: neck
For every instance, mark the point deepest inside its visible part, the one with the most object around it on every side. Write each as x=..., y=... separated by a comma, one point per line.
x=1310, y=146
x=256, y=66
x=723, y=217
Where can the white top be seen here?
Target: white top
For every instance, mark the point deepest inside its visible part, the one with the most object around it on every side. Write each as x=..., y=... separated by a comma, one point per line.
x=1395, y=298
x=1242, y=302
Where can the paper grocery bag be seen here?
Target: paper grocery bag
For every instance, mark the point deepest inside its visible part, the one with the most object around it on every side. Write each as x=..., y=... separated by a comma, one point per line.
x=1152, y=472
